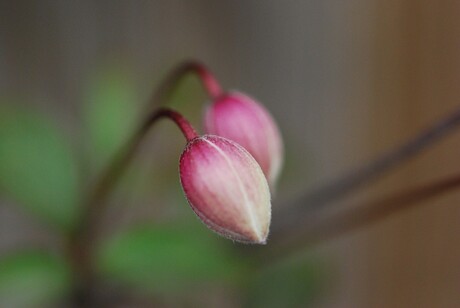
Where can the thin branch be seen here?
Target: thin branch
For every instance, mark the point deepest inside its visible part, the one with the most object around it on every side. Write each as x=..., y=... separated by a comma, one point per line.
x=95, y=205
x=82, y=241
x=290, y=216
x=163, y=93
x=80, y=244
x=318, y=228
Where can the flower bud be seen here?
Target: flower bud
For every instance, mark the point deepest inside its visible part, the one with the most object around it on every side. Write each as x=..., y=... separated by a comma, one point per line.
x=226, y=188
x=242, y=119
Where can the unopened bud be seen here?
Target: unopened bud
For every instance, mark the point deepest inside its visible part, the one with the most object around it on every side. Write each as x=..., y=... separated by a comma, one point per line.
x=226, y=188
x=242, y=119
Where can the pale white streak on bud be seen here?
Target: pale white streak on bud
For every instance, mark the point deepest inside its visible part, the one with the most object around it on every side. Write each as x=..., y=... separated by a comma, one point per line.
x=226, y=188
x=242, y=119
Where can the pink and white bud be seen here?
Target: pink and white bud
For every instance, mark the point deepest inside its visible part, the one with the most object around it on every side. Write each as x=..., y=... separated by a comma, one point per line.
x=242, y=119
x=226, y=188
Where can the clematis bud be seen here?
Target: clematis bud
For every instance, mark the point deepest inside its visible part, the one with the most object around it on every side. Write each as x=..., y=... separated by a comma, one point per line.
x=242, y=119
x=226, y=188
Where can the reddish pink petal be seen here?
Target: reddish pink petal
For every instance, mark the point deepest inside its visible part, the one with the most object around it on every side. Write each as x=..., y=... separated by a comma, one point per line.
x=226, y=188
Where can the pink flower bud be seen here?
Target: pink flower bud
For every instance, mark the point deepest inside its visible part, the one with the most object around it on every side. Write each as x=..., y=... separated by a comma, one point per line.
x=240, y=118
x=226, y=188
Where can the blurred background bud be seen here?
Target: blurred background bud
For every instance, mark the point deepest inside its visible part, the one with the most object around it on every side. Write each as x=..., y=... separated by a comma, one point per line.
x=242, y=119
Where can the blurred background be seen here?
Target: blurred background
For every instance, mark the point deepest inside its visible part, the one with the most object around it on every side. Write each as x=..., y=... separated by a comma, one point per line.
x=346, y=80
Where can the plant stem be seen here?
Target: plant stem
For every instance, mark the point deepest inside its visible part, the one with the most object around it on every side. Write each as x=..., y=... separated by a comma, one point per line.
x=319, y=227
x=163, y=93
x=95, y=204
x=81, y=243
x=293, y=216
x=79, y=246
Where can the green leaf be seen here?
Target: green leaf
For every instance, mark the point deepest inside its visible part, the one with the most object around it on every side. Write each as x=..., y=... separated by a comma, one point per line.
x=37, y=167
x=166, y=259
x=32, y=279
x=110, y=110
x=288, y=284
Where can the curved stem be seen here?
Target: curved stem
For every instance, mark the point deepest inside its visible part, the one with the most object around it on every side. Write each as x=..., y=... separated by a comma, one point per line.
x=187, y=129
x=164, y=91
x=112, y=174
x=81, y=242
x=210, y=83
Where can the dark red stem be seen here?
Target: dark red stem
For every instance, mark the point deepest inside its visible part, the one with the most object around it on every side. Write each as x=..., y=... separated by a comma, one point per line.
x=163, y=92
x=210, y=83
x=184, y=125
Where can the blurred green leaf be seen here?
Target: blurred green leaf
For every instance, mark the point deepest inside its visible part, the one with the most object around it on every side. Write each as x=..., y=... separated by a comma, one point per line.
x=288, y=284
x=110, y=111
x=167, y=260
x=32, y=279
x=37, y=167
